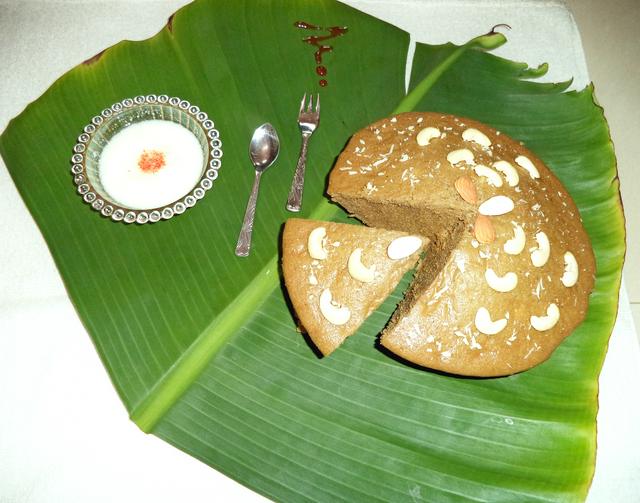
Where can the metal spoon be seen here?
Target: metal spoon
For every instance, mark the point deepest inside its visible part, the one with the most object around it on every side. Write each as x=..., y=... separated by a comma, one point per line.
x=263, y=151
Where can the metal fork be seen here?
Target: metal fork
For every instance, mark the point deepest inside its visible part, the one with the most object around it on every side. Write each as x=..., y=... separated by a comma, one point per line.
x=308, y=121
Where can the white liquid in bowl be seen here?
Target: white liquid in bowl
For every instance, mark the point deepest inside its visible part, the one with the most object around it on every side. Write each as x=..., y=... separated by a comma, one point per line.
x=150, y=164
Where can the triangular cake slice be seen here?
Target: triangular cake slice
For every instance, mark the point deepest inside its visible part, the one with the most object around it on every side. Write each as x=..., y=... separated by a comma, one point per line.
x=338, y=274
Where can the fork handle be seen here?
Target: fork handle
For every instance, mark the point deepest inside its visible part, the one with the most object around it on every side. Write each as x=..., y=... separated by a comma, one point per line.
x=294, y=202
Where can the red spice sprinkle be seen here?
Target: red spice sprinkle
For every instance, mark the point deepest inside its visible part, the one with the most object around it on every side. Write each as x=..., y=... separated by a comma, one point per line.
x=151, y=161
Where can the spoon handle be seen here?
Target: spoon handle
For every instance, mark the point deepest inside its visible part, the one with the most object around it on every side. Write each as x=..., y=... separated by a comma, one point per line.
x=244, y=239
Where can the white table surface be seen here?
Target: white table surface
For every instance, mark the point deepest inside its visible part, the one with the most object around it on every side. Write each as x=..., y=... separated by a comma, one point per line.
x=64, y=434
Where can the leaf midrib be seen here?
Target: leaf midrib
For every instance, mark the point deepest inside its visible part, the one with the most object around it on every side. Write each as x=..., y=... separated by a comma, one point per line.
x=193, y=361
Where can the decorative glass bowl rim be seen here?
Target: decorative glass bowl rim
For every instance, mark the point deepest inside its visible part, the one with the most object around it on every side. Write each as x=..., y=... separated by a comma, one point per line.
x=113, y=210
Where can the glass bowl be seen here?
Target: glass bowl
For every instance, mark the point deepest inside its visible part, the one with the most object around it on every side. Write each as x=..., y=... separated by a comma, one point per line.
x=100, y=131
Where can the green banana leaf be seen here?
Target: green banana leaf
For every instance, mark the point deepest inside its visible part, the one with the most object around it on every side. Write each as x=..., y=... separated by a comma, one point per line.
x=201, y=345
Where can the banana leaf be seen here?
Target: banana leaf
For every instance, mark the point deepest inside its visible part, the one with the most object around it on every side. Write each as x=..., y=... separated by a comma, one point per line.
x=201, y=345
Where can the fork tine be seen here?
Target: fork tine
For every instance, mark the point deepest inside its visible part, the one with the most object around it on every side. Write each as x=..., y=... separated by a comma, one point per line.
x=304, y=98
x=318, y=104
x=310, y=106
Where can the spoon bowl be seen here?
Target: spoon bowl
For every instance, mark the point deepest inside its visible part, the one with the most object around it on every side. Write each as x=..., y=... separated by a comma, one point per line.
x=264, y=147
x=263, y=151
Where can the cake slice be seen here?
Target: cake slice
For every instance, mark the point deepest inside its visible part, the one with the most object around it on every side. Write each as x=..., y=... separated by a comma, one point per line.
x=338, y=274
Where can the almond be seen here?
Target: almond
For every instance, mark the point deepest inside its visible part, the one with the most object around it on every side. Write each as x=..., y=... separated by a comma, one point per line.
x=403, y=246
x=483, y=230
x=467, y=190
x=496, y=205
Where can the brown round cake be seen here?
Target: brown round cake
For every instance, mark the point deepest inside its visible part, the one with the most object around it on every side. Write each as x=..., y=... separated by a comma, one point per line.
x=509, y=267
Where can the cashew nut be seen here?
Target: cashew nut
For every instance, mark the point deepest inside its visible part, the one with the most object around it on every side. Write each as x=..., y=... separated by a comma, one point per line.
x=515, y=245
x=525, y=163
x=510, y=173
x=496, y=205
x=461, y=155
x=332, y=311
x=315, y=243
x=426, y=135
x=540, y=255
x=492, y=177
x=403, y=246
x=504, y=283
x=542, y=323
x=570, y=276
x=485, y=325
x=479, y=137
x=358, y=270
